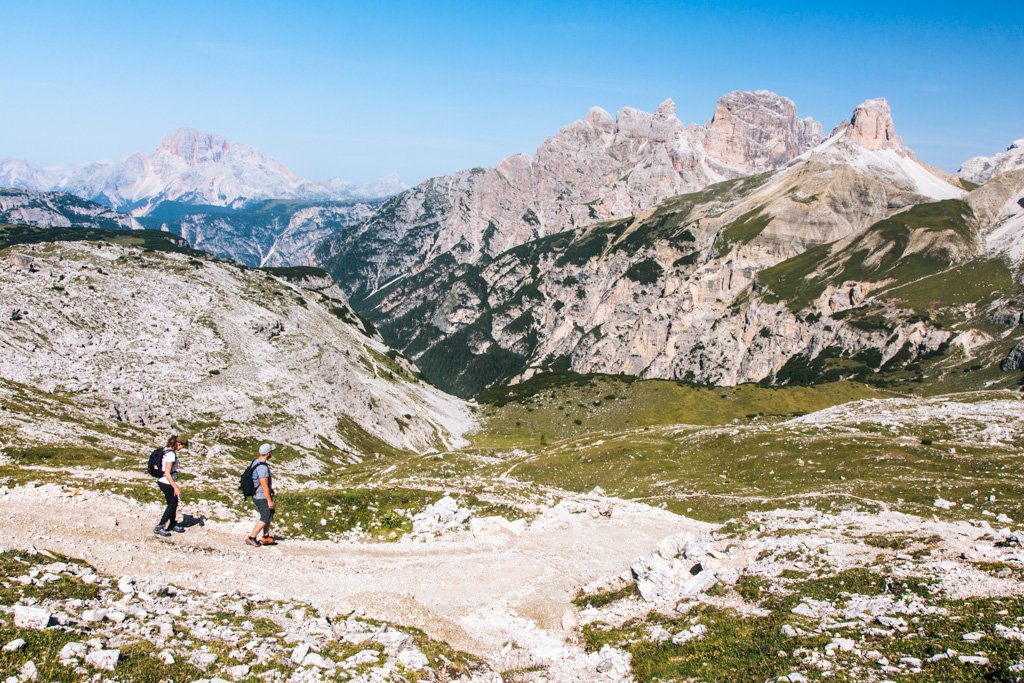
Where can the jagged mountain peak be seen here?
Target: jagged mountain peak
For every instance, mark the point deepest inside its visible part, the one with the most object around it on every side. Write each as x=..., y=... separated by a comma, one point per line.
x=666, y=110
x=871, y=126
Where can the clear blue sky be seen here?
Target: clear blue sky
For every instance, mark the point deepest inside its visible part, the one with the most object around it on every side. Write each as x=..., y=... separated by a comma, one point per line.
x=357, y=89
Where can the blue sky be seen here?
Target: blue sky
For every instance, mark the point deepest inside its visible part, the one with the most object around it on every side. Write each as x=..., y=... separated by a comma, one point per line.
x=346, y=89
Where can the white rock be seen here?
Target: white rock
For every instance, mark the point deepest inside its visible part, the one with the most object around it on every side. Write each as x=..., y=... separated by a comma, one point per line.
x=299, y=653
x=969, y=659
x=103, y=659
x=31, y=617
x=14, y=645
x=944, y=504
x=413, y=659
x=29, y=672
x=973, y=636
x=72, y=650
x=237, y=673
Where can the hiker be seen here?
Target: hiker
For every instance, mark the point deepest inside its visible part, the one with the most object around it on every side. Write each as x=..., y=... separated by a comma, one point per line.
x=168, y=484
x=263, y=498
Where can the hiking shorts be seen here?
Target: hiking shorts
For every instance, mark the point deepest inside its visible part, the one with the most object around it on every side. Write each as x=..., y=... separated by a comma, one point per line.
x=266, y=512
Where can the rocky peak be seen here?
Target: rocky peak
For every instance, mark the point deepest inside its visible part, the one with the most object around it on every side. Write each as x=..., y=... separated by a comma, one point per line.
x=871, y=126
x=194, y=146
x=755, y=131
x=666, y=110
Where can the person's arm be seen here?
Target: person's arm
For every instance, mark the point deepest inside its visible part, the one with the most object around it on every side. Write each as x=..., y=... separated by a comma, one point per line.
x=266, y=492
x=167, y=473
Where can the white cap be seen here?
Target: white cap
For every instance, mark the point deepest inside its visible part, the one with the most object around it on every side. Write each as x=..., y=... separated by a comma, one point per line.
x=266, y=448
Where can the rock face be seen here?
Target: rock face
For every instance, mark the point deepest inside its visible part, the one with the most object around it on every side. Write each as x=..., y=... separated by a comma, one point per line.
x=871, y=126
x=756, y=131
x=162, y=339
x=57, y=209
x=676, y=291
x=595, y=169
x=982, y=169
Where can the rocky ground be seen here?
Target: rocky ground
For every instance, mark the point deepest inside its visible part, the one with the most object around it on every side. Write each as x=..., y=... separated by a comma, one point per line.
x=498, y=590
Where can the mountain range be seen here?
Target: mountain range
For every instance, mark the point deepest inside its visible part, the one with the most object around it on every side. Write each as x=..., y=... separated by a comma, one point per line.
x=481, y=281
x=752, y=248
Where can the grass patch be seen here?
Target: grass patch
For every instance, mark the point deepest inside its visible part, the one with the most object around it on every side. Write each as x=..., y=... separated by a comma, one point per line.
x=605, y=597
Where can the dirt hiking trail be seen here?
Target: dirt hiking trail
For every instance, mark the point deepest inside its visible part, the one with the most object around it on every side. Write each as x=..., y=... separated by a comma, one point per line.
x=478, y=594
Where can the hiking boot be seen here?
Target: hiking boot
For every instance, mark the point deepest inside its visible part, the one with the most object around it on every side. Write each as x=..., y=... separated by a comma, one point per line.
x=178, y=528
x=160, y=531
x=249, y=540
x=268, y=540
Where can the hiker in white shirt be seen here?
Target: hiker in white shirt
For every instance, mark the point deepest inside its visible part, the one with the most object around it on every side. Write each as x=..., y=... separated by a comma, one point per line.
x=168, y=484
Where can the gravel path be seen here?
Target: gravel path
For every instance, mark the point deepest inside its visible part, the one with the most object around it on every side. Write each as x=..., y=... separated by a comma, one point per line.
x=478, y=594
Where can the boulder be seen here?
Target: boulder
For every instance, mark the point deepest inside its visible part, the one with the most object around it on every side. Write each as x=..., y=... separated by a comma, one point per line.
x=31, y=617
x=14, y=645
x=103, y=659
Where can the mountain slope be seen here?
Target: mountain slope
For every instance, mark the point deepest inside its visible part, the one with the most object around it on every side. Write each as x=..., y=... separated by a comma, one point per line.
x=676, y=291
x=206, y=347
x=594, y=169
x=58, y=209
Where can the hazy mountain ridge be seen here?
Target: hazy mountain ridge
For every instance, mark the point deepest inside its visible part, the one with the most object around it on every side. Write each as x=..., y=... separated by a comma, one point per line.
x=191, y=167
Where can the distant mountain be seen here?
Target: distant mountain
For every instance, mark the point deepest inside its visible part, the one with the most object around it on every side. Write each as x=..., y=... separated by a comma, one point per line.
x=595, y=169
x=188, y=167
x=227, y=199
x=58, y=209
x=852, y=260
x=272, y=232
x=982, y=169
